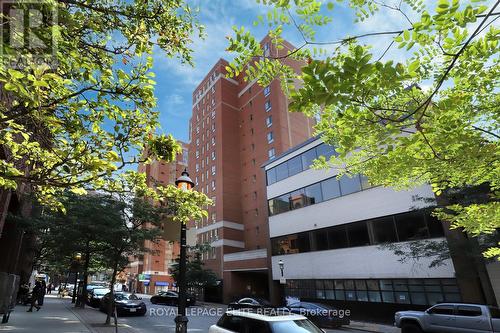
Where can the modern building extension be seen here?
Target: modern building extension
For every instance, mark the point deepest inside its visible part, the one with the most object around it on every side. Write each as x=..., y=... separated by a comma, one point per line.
x=336, y=239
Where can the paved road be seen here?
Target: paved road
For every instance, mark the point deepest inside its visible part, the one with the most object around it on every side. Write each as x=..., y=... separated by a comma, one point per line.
x=160, y=318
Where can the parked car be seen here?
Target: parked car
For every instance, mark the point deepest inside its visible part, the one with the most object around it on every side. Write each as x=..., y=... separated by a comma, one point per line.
x=322, y=315
x=95, y=295
x=247, y=321
x=450, y=318
x=125, y=303
x=249, y=303
x=172, y=298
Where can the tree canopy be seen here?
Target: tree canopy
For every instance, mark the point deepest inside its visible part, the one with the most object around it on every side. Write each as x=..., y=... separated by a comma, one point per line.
x=421, y=107
x=79, y=110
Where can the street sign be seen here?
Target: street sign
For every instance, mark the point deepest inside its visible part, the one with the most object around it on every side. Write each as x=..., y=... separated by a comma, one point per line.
x=282, y=280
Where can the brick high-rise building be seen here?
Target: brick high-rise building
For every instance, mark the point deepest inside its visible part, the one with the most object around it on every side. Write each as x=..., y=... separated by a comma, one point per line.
x=154, y=266
x=235, y=127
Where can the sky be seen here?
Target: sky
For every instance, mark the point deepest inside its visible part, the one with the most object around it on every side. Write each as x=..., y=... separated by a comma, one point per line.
x=176, y=82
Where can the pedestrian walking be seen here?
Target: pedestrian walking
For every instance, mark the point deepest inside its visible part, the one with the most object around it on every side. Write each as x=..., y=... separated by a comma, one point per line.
x=41, y=296
x=35, y=296
x=49, y=288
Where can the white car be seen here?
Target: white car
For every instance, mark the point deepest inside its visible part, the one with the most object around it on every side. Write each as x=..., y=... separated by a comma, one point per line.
x=265, y=321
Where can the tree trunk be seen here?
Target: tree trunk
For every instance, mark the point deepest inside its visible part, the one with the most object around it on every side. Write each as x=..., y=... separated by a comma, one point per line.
x=85, y=277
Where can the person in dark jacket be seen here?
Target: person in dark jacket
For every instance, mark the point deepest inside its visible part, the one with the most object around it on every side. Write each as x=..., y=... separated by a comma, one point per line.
x=42, y=293
x=35, y=296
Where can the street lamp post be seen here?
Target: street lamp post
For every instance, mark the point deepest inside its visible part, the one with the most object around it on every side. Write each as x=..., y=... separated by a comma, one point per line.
x=281, y=265
x=77, y=259
x=185, y=183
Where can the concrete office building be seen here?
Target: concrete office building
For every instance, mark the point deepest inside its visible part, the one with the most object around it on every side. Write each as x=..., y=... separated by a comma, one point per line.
x=332, y=234
x=235, y=127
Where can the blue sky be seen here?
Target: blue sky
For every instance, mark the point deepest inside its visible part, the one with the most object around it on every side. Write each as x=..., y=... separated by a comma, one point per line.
x=176, y=82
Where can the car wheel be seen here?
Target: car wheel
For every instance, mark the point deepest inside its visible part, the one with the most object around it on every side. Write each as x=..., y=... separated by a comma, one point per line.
x=411, y=328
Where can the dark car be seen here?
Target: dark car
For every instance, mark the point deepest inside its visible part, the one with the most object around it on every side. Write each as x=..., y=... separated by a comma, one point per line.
x=249, y=303
x=172, y=298
x=125, y=303
x=322, y=315
x=95, y=295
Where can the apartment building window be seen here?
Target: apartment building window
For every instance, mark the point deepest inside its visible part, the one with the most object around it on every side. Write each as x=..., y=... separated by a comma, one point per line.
x=269, y=121
x=213, y=169
x=394, y=228
x=196, y=180
x=202, y=164
x=267, y=91
x=197, y=167
x=207, y=172
x=197, y=129
x=213, y=102
x=202, y=177
x=253, y=146
x=214, y=217
x=398, y=291
x=251, y=117
x=213, y=185
x=203, y=150
x=207, y=160
x=266, y=49
x=254, y=178
x=270, y=137
x=252, y=131
x=268, y=105
x=213, y=155
x=206, y=192
x=301, y=163
x=213, y=89
x=271, y=153
x=213, y=141
x=213, y=114
x=254, y=195
x=328, y=189
x=213, y=127
x=197, y=153
x=253, y=161
x=208, y=146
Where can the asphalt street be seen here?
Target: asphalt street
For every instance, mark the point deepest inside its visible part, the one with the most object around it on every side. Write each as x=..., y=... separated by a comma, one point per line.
x=160, y=318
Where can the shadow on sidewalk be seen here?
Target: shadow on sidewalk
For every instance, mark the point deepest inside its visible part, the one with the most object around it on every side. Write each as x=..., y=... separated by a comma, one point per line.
x=53, y=317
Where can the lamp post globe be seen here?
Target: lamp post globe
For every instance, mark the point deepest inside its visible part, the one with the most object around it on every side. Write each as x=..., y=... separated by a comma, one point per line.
x=185, y=183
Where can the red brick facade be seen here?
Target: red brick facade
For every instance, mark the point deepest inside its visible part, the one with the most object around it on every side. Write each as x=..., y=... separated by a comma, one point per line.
x=155, y=263
x=235, y=127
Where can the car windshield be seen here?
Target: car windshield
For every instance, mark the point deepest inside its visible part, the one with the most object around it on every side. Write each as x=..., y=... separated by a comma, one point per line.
x=262, y=301
x=317, y=306
x=100, y=291
x=121, y=297
x=294, y=326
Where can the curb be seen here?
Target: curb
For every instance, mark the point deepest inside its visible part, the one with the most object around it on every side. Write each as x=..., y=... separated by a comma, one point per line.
x=77, y=315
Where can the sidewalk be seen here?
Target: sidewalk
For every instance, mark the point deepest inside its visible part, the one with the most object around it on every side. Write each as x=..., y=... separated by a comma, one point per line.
x=59, y=316
x=53, y=317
